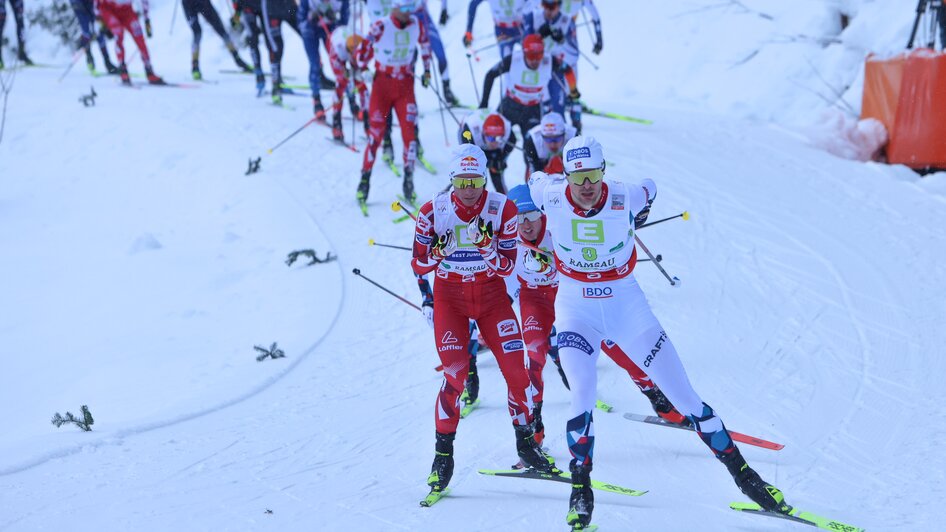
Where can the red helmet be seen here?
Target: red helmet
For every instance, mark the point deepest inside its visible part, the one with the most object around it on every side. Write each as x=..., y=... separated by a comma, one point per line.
x=494, y=126
x=533, y=47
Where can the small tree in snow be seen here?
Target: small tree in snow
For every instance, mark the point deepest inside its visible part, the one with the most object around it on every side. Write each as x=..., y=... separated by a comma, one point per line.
x=85, y=423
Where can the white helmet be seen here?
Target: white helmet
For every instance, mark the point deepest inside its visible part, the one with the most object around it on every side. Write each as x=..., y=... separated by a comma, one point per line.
x=583, y=153
x=468, y=159
x=553, y=125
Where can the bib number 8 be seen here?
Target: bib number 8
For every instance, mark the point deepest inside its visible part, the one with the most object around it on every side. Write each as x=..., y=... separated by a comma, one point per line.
x=589, y=254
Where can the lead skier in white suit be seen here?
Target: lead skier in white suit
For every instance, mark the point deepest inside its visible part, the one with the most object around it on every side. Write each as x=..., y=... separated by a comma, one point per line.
x=592, y=223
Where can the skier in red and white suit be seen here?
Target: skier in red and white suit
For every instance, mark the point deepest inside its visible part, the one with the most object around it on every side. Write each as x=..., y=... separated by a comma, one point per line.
x=468, y=238
x=394, y=41
x=120, y=15
x=341, y=55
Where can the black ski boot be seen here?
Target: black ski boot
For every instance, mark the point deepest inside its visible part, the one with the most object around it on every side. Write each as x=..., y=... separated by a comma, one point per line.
x=664, y=409
x=195, y=70
x=448, y=95
x=319, y=111
x=582, y=501
x=387, y=149
x=751, y=484
x=408, y=186
x=337, y=127
x=530, y=453
x=260, y=82
x=537, y=422
x=240, y=63
x=109, y=66
x=21, y=55
x=325, y=83
x=153, y=78
x=123, y=73
x=363, y=186
x=442, y=469
x=89, y=60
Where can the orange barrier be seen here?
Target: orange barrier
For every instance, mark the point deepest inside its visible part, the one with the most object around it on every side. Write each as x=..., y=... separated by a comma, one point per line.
x=908, y=94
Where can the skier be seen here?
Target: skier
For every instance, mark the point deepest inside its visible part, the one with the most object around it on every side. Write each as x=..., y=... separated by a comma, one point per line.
x=20, y=26
x=436, y=45
x=507, y=23
x=203, y=7
x=317, y=20
x=342, y=46
x=468, y=237
x=592, y=223
x=274, y=13
x=393, y=41
x=572, y=8
x=561, y=41
x=120, y=15
x=528, y=72
x=538, y=284
x=85, y=14
x=545, y=141
x=492, y=132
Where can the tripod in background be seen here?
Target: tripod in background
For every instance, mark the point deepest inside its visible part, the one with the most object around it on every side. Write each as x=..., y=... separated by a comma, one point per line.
x=929, y=15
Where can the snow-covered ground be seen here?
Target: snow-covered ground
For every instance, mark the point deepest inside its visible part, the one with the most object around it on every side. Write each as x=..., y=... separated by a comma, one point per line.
x=140, y=266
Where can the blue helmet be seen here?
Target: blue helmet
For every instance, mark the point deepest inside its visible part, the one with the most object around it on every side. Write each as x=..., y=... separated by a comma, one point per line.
x=521, y=197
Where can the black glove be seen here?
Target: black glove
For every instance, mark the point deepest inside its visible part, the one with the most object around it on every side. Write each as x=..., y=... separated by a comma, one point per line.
x=148, y=27
x=641, y=217
x=545, y=30
x=425, y=79
x=444, y=17
x=599, y=44
x=236, y=23
x=557, y=35
x=574, y=95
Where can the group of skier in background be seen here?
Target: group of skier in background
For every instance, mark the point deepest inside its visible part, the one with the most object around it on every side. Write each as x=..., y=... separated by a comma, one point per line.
x=560, y=245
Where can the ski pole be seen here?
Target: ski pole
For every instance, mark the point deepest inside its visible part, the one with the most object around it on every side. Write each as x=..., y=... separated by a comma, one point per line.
x=371, y=242
x=592, y=63
x=476, y=88
x=443, y=121
x=357, y=272
x=674, y=281
x=294, y=133
x=397, y=206
x=685, y=215
x=75, y=57
x=173, y=18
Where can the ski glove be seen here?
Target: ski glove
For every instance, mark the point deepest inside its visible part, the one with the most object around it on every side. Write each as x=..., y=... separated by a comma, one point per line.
x=236, y=23
x=574, y=95
x=641, y=217
x=425, y=79
x=480, y=232
x=536, y=262
x=428, y=309
x=444, y=16
x=547, y=31
x=445, y=245
x=148, y=27
x=467, y=39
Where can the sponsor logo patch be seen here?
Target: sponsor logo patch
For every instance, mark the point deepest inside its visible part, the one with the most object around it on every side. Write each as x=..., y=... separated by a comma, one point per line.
x=507, y=327
x=571, y=339
x=493, y=207
x=555, y=200
x=512, y=345
x=424, y=240
x=578, y=153
x=449, y=338
x=594, y=292
x=617, y=202
x=655, y=350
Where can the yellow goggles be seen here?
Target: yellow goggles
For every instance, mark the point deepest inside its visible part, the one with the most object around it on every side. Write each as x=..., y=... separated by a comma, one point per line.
x=592, y=176
x=469, y=182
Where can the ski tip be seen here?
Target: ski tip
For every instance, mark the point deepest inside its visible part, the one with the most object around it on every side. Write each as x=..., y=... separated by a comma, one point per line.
x=270, y=151
x=686, y=215
x=370, y=241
